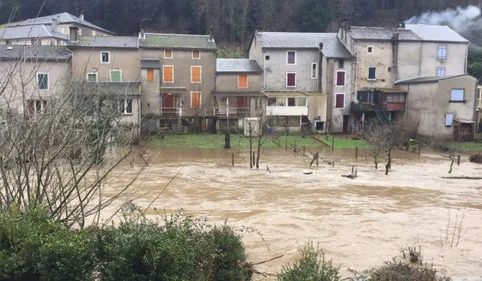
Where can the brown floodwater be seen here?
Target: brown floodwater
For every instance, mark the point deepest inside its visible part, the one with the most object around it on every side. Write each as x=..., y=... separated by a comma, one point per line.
x=360, y=223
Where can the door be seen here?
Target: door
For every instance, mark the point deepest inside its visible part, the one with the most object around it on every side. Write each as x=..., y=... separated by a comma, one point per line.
x=346, y=119
x=168, y=104
x=242, y=105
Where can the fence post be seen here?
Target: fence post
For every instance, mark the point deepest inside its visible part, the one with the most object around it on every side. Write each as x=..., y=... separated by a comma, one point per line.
x=356, y=153
x=332, y=143
x=458, y=160
x=304, y=150
x=419, y=148
x=294, y=149
x=232, y=158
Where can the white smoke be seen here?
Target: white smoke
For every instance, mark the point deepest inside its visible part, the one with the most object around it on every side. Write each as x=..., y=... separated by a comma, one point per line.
x=460, y=19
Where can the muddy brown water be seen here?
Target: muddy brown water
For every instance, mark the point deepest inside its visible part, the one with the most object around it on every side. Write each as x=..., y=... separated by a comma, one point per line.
x=359, y=223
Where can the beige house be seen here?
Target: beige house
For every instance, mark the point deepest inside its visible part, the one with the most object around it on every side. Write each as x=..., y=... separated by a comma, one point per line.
x=113, y=65
x=49, y=30
x=32, y=78
x=238, y=92
x=443, y=105
x=180, y=83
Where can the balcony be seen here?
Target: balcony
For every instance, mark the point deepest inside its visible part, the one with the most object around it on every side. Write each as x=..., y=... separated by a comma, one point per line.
x=368, y=106
x=362, y=107
x=287, y=111
x=395, y=106
x=234, y=112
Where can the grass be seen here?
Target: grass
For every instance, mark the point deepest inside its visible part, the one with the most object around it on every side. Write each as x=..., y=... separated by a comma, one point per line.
x=468, y=146
x=217, y=141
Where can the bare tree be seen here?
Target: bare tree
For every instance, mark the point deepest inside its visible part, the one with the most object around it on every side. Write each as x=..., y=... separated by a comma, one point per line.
x=373, y=133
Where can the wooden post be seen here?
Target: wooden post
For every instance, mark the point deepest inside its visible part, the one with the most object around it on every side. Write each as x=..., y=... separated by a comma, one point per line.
x=317, y=161
x=254, y=158
x=332, y=143
x=356, y=152
x=419, y=148
x=304, y=150
x=294, y=148
x=458, y=160
x=232, y=158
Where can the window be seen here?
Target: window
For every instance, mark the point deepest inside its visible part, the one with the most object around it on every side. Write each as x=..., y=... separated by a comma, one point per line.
x=457, y=95
x=266, y=57
x=291, y=101
x=340, y=101
x=442, y=52
x=43, y=81
x=195, y=99
x=7, y=42
x=115, y=75
x=258, y=104
x=340, y=78
x=168, y=54
x=290, y=79
x=291, y=57
x=94, y=33
x=271, y=101
x=196, y=74
x=37, y=106
x=150, y=75
x=92, y=76
x=440, y=71
x=125, y=106
x=341, y=63
x=449, y=119
x=168, y=74
x=396, y=98
x=196, y=54
x=105, y=57
x=372, y=73
x=314, y=70
x=370, y=49
x=243, y=81
x=301, y=101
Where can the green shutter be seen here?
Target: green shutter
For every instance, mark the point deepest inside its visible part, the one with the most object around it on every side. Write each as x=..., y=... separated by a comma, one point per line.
x=115, y=76
x=372, y=73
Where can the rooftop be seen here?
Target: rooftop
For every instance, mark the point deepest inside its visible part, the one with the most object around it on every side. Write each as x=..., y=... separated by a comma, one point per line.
x=106, y=42
x=439, y=33
x=332, y=46
x=178, y=41
x=32, y=31
x=34, y=52
x=237, y=66
x=63, y=18
x=426, y=79
x=381, y=33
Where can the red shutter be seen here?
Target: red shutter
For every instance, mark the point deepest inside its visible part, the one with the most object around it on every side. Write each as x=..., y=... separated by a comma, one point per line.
x=291, y=80
x=340, y=101
x=340, y=78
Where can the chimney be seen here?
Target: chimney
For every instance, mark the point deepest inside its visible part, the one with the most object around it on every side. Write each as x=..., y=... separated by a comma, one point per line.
x=81, y=17
x=396, y=36
x=259, y=30
x=55, y=24
x=346, y=24
x=211, y=36
x=74, y=34
x=402, y=25
x=142, y=34
x=321, y=45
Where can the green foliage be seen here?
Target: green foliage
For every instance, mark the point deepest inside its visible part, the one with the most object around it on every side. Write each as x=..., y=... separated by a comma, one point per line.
x=316, y=15
x=230, y=52
x=312, y=266
x=401, y=271
x=475, y=62
x=33, y=247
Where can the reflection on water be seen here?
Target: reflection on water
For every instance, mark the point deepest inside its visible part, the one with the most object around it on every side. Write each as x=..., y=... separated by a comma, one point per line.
x=360, y=223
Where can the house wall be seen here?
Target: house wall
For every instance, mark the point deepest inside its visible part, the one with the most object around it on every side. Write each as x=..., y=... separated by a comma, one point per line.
x=87, y=60
x=182, y=61
x=276, y=69
x=26, y=74
x=83, y=30
x=338, y=113
x=430, y=102
x=454, y=64
x=410, y=60
x=381, y=58
x=256, y=51
x=229, y=83
x=151, y=95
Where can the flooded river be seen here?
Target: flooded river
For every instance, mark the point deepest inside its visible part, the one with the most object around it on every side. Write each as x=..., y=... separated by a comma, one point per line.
x=360, y=223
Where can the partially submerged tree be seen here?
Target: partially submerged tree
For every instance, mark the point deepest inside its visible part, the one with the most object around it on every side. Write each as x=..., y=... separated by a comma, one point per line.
x=373, y=133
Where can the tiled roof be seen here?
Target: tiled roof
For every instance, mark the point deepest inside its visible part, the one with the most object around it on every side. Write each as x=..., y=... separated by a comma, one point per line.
x=33, y=31
x=426, y=79
x=34, y=52
x=119, y=88
x=381, y=33
x=150, y=64
x=178, y=41
x=237, y=66
x=437, y=33
x=106, y=42
x=332, y=46
x=63, y=18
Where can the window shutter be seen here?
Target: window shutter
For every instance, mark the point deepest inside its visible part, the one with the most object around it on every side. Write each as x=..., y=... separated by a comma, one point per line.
x=168, y=74
x=291, y=80
x=196, y=74
x=115, y=76
x=195, y=100
x=340, y=101
x=150, y=75
x=243, y=81
x=340, y=78
x=372, y=73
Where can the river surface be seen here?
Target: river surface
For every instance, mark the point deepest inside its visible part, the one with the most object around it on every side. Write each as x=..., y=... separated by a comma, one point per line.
x=360, y=223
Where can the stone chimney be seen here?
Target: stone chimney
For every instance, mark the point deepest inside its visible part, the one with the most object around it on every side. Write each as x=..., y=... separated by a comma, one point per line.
x=74, y=34
x=142, y=34
x=321, y=45
x=211, y=36
x=81, y=17
x=401, y=25
x=346, y=24
x=259, y=30
x=55, y=24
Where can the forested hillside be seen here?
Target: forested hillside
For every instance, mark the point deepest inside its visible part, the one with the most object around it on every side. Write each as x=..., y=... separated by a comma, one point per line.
x=232, y=21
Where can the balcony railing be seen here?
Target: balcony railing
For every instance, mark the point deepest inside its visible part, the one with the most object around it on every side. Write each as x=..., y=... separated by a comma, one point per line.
x=287, y=111
x=207, y=112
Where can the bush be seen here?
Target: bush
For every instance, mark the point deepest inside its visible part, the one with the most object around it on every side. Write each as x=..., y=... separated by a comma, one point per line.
x=400, y=271
x=32, y=247
x=312, y=266
x=476, y=158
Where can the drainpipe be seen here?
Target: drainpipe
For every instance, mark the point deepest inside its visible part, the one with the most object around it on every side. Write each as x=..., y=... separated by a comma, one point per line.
x=320, y=67
x=395, y=39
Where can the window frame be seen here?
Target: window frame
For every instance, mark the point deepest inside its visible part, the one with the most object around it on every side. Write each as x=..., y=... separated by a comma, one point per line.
x=200, y=74
x=452, y=120
x=341, y=63
x=442, y=47
x=38, y=81
x=344, y=78
x=239, y=80
x=90, y=73
x=163, y=72
x=287, y=57
x=43, y=106
x=113, y=70
x=193, y=57
x=172, y=54
x=368, y=75
x=287, y=80
x=125, y=103
x=344, y=100
x=108, y=56
x=372, y=50
x=200, y=99
x=440, y=68
x=147, y=75
x=315, y=64
x=457, y=100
